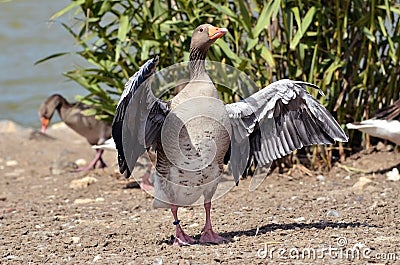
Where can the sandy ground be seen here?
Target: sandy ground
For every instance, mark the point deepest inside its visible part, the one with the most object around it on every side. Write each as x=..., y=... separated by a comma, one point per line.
x=49, y=215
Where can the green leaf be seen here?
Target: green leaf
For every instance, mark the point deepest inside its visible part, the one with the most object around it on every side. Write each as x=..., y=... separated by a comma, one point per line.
x=369, y=34
x=246, y=18
x=123, y=29
x=89, y=112
x=222, y=9
x=267, y=56
x=268, y=12
x=302, y=26
x=55, y=55
x=250, y=43
x=67, y=8
x=228, y=52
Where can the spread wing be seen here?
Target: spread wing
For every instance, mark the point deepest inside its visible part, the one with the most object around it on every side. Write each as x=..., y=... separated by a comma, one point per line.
x=275, y=121
x=138, y=119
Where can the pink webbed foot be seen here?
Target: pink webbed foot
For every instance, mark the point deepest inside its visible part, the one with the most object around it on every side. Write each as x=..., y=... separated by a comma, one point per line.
x=210, y=237
x=181, y=239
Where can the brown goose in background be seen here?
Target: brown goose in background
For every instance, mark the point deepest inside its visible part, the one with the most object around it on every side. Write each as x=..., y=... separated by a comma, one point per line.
x=385, y=124
x=190, y=153
x=95, y=131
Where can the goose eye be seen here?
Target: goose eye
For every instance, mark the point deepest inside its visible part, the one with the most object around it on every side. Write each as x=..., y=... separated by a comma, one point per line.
x=201, y=29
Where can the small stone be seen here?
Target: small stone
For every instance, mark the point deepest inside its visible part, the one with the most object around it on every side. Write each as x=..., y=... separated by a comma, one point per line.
x=361, y=183
x=194, y=225
x=12, y=257
x=332, y=213
x=321, y=178
x=75, y=239
x=83, y=201
x=347, y=177
x=11, y=163
x=97, y=258
x=82, y=183
x=67, y=240
x=393, y=175
x=158, y=261
x=299, y=219
x=384, y=148
x=80, y=162
x=99, y=199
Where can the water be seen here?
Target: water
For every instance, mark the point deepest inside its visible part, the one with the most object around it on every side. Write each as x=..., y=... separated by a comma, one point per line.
x=25, y=37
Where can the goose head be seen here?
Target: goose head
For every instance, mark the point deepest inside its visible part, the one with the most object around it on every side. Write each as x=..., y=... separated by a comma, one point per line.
x=202, y=38
x=47, y=109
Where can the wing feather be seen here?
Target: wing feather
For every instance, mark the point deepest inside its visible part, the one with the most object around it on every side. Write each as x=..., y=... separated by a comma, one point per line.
x=138, y=118
x=284, y=117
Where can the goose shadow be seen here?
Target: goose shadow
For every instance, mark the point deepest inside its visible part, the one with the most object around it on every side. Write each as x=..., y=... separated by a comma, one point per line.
x=293, y=226
x=284, y=227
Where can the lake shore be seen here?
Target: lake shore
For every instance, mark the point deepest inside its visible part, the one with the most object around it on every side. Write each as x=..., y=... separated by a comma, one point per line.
x=45, y=218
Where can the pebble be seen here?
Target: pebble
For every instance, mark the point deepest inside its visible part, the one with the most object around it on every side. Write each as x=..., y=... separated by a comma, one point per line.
x=299, y=219
x=11, y=163
x=361, y=183
x=12, y=257
x=76, y=239
x=83, y=201
x=393, y=175
x=88, y=200
x=80, y=162
x=97, y=258
x=158, y=261
x=321, y=178
x=332, y=213
x=82, y=183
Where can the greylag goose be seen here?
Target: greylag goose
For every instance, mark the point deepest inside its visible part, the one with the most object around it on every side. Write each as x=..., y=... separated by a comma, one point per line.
x=95, y=131
x=385, y=124
x=193, y=132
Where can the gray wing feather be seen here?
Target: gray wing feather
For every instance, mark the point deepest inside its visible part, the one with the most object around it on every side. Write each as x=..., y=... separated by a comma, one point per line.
x=277, y=120
x=137, y=120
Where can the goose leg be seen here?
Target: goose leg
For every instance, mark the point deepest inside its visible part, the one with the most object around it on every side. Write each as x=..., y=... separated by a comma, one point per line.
x=208, y=235
x=181, y=239
x=102, y=163
x=145, y=184
x=92, y=164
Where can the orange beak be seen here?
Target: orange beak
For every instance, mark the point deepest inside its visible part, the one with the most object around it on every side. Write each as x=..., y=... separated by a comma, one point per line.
x=215, y=33
x=45, y=123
